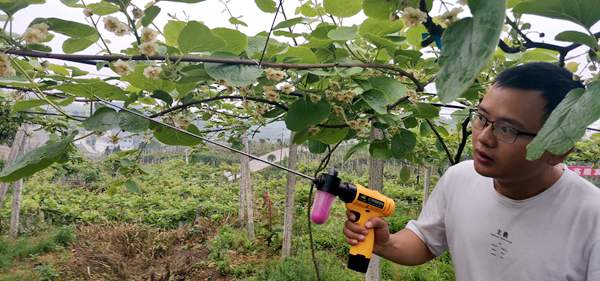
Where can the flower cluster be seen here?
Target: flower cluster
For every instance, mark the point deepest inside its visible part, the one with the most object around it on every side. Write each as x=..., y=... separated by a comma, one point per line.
x=149, y=47
x=270, y=93
x=152, y=72
x=115, y=26
x=314, y=98
x=313, y=131
x=413, y=17
x=88, y=12
x=122, y=68
x=287, y=88
x=448, y=17
x=36, y=33
x=6, y=69
x=412, y=95
x=345, y=96
x=275, y=75
x=338, y=110
x=361, y=125
x=137, y=13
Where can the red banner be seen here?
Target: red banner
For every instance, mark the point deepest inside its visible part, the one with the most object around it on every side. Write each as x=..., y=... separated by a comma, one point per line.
x=585, y=171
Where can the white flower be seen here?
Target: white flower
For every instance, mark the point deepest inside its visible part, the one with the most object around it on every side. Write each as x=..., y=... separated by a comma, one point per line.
x=462, y=2
x=148, y=34
x=6, y=69
x=287, y=88
x=152, y=72
x=413, y=17
x=148, y=48
x=36, y=33
x=88, y=12
x=122, y=68
x=137, y=13
x=449, y=17
x=112, y=24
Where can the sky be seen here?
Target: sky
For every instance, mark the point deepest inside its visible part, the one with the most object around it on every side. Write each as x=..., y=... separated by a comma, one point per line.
x=214, y=14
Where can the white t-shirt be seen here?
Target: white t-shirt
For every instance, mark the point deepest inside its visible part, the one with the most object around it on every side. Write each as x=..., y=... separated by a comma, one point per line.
x=554, y=235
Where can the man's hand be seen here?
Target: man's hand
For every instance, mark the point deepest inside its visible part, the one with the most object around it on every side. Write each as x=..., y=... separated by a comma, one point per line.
x=403, y=247
x=355, y=233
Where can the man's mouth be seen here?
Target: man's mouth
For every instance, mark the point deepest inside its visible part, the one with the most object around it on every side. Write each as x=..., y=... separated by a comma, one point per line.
x=483, y=157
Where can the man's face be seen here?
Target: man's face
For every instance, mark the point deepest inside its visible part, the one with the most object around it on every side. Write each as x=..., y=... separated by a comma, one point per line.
x=522, y=110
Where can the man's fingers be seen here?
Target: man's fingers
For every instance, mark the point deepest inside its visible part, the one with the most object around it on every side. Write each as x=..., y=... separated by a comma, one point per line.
x=351, y=216
x=355, y=227
x=353, y=235
x=376, y=223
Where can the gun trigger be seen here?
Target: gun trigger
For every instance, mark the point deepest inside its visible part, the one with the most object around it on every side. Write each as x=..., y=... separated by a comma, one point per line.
x=356, y=215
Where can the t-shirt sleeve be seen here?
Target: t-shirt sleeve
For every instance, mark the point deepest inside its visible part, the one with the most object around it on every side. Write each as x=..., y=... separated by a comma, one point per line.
x=593, y=272
x=430, y=226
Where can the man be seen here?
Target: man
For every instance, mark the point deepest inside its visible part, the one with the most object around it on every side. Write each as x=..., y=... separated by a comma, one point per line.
x=501, y=216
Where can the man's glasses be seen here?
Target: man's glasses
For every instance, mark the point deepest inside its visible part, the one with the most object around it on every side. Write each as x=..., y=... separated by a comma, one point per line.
x=503, y=132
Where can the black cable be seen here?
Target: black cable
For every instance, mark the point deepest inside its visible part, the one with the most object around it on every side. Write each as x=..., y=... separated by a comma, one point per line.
x=269, y=34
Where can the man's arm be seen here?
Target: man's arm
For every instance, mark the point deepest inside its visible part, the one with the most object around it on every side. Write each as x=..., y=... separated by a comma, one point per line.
x=406, y=248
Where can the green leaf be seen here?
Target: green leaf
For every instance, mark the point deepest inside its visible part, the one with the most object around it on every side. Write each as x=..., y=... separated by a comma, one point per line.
x=385, y=93
x=303, y=114
x=103, y=8
x=172, y=30
x=234, y=20
x=138, y=80
x=149, y=15
x=578, y=37
x=414, y=36
x=76, y=44
x=235, y=41
x=307, y=10
x=39, y=47
x=331, y=135
x=468, y=44
x=316, y=147
x=343, y=33
x=567, y=122
x=267, y=6
x=102, y=120
x=169, y=136
x=70, y=28
x=93, y=87
x=130, y=122
x=379, y=27
x=26, y=104
x=380, y=9
x=342, y=8
x=13, y=6
x=288, y=23
x=354, y=149
x=426, y=111
x=132, y=186
x=403, y=143
x=380, y=149
x=235, y=74
x=391, y=88
x=36, y=160
x=164, y=96
x=539, y=55
x=196, y=37
x=300, y=55
x=582, y=12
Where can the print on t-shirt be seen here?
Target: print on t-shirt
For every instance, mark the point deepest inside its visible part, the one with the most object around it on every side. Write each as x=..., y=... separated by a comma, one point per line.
x=499, y=244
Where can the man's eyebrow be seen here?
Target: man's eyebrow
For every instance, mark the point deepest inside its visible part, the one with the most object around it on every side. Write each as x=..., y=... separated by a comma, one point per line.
x=504, y=119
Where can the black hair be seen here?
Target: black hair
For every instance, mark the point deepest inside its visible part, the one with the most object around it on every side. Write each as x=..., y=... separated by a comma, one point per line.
x=553, y=81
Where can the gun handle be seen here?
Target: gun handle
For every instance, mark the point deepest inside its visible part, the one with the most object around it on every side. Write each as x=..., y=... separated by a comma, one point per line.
x=360, y=254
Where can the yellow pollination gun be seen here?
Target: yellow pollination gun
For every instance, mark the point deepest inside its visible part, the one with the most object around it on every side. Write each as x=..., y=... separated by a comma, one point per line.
x=363, y=202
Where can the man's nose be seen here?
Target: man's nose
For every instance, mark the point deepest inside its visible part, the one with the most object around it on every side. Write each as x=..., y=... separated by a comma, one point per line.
x=486, y=136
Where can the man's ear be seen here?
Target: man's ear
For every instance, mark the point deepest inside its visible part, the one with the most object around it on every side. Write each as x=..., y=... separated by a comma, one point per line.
x=553, y=159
